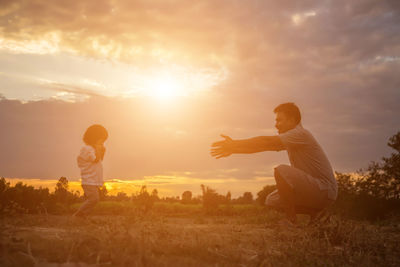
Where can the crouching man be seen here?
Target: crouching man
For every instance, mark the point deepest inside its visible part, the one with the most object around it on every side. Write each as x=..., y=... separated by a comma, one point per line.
x=308, y=185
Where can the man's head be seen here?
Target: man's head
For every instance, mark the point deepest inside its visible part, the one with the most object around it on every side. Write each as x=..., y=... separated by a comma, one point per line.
x=287, y=117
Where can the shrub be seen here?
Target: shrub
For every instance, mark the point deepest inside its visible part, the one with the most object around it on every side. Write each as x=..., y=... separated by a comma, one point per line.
x=211, y=199
x=262, y=195
x=144, y=200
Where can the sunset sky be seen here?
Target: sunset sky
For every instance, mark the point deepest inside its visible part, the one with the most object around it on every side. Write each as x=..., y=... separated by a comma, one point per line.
x=167, y=77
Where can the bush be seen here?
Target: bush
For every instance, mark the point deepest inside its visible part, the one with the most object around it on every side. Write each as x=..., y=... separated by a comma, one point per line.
x=211, y=199
x=144, y=200
x=355, y=202
x=22, y=198
x=373, y=193
x=262, y=195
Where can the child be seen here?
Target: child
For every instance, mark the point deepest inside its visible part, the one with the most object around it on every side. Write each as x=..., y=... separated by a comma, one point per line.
x=90, y=162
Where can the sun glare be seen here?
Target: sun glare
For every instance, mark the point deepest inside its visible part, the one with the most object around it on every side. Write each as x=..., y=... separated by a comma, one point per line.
x=165, y=87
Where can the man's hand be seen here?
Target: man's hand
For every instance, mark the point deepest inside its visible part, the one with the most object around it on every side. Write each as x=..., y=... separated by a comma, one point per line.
x=222, y=148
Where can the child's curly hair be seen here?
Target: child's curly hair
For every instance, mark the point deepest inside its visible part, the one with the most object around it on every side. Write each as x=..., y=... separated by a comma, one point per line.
x=94, y=133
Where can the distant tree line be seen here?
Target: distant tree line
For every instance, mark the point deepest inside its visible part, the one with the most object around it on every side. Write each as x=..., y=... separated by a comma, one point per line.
x=23, y=198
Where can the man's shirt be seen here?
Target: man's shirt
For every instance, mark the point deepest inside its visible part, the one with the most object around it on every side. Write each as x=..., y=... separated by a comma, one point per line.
x=307, y=155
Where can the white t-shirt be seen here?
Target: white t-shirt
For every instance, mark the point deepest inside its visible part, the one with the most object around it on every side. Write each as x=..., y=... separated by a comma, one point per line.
x=91, y=171
x=307, y=155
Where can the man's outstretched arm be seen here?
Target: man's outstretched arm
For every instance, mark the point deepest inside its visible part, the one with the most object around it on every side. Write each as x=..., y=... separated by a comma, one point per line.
x=229, y=146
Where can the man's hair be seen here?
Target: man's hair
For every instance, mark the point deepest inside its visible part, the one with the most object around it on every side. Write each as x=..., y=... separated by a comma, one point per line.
x=290, y=110
x=94, y=133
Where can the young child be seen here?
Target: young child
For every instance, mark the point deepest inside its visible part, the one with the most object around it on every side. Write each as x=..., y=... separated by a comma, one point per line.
x=90, y=162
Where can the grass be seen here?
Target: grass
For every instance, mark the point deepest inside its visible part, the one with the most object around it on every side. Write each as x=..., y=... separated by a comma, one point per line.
x=124, y=207
x=162, y=238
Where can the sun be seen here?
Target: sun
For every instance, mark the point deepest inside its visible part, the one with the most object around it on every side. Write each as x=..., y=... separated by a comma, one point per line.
x=172, y=84
x=165, y=87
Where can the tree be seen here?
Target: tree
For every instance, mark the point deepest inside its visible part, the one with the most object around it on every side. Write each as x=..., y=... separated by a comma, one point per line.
x=121, y=196
x=154, y=195
x=372, y=193
x=247, y=198
x=211, y=199
x=144, y=200
x=4, y=185
x=262, y=195
x=22, y=198
x=62, y=184
x=4, y=199
x=382, y=179
x=62, y=197
x=186, y=197
x=61, y=190
x=228, y=197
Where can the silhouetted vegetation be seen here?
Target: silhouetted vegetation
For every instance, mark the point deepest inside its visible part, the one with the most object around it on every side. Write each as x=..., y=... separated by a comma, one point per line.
x=373, y=193
x=144, y=200
x=246, y=198
x=186, y=197
x=212, y=200
x=23, y=198
x=262, y=195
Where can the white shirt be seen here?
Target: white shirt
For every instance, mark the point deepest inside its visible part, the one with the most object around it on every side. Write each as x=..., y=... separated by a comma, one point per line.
x=91, y=171
x=307, y=155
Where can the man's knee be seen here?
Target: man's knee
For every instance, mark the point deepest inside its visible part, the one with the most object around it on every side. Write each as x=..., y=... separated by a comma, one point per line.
x=280, y=169
x=279, y=173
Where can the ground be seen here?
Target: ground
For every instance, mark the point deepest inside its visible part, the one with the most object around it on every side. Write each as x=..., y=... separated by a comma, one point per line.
x=194, y=240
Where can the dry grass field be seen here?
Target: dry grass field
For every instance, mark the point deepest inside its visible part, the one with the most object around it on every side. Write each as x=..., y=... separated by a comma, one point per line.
x=194, y=240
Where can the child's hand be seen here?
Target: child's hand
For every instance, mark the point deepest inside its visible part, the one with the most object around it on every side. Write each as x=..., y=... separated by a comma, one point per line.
x=100, y=150
x=100, y=147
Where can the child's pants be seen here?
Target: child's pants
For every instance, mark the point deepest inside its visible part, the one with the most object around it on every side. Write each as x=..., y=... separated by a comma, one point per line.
x=92, y=197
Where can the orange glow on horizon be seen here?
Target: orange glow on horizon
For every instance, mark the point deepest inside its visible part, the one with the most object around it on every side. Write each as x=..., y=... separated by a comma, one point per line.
x=166, y=185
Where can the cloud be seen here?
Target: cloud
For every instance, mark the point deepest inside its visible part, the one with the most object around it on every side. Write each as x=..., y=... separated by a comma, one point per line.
x=339, y=63
x=257, y=41
x=145, y=31
x=59, y=87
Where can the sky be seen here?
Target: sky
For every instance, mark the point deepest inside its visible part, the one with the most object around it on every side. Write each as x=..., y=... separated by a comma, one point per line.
x=166, y=78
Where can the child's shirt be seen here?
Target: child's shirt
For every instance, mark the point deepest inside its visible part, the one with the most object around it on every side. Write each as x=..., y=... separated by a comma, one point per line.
x=91, y=171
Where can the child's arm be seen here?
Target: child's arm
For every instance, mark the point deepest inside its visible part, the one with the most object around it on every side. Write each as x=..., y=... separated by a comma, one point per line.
x=100, y=150
x=87, y=154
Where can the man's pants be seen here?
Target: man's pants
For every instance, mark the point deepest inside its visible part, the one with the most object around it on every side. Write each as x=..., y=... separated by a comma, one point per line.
x=307, y=190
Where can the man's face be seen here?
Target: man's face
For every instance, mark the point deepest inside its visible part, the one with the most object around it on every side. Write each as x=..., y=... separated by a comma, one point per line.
x=284, y=123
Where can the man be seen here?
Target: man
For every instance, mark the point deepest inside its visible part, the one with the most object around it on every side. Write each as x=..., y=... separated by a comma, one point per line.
x=308, y=186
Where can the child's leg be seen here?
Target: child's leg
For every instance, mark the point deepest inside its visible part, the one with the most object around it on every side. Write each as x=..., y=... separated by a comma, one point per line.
x=92, y=197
